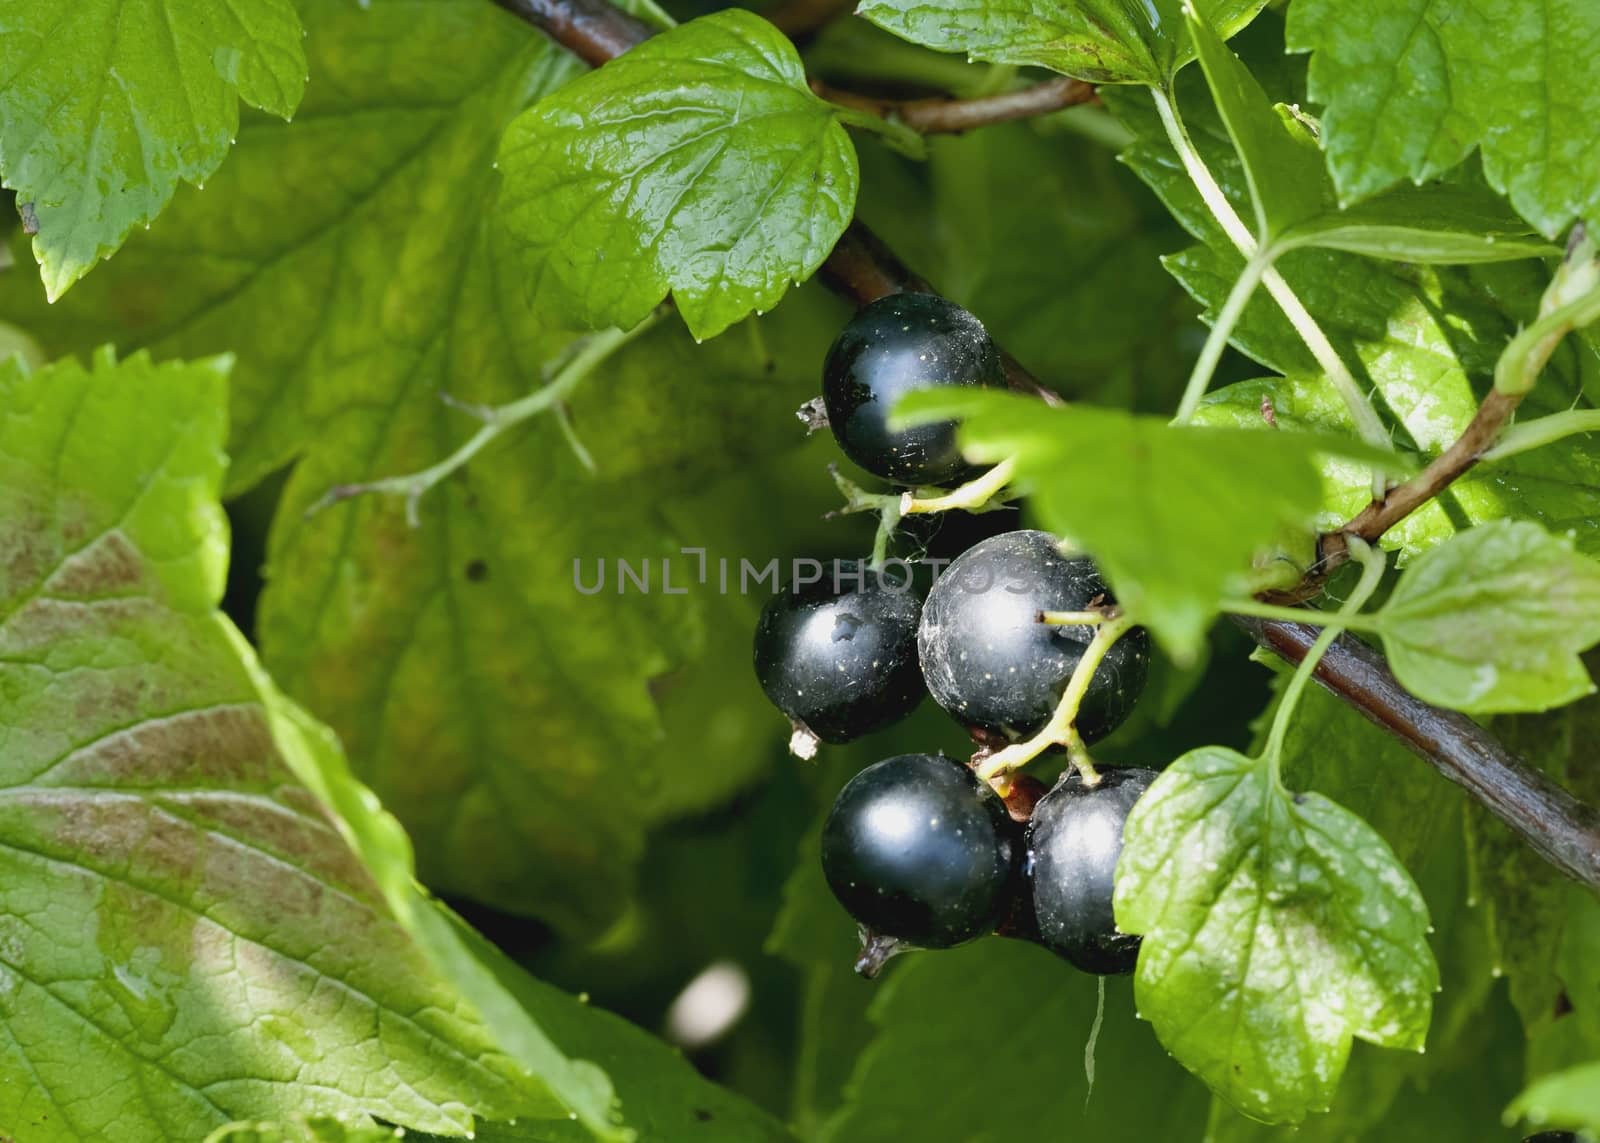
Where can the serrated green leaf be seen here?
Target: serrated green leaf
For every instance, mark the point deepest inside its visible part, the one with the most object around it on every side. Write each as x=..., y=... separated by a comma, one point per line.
x=1568, y=1099
x=166, y=880
x=325, y=253
x=1294, y=200
x=1471, y=1067
x=1131, y=490
x=1102, y=41
x=106, y=106
x=313, y=753
x=1032, y=1014
x=449, y=658
x=1276, y=928
x=1494, y=620
x=1410, y=87
x=739, y=186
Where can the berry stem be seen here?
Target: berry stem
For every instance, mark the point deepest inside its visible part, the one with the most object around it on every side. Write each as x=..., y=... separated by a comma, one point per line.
x=1205, y=366
x=497, y=420
x=888, y=505
x=895, y=133
x=1372, y=564
x=1062, y=729
x=1310, y=615
x=972, y=496
x=1368, y=424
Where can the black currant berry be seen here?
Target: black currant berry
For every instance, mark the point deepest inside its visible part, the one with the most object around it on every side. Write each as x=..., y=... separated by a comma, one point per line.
x=840, y=664
x=1552, y=1137
x=919, y=849
x=992, y=662
x=895, y=345
x=1074, y=840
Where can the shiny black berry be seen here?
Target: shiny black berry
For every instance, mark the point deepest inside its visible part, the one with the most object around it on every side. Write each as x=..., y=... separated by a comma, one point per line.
x=1073, y=843
x=990, y=660
x=919, y=849
x=1552, y=1137
x=840, y=664
x=895, y=345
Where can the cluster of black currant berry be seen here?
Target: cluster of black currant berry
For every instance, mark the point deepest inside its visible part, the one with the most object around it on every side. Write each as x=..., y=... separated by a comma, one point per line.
x=919, y=849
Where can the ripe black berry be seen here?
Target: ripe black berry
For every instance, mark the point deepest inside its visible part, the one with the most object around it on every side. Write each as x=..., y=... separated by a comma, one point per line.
x=895, y=345
x=918, y=848
x=1074, y=840
x=840, y=664
x=990, y=660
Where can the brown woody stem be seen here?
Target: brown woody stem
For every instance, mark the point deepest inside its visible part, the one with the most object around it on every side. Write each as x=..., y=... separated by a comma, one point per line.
x=1379, y=516
x=1563, y=830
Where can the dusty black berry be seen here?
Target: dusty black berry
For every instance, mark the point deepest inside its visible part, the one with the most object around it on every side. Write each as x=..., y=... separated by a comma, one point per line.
x=990, y=660
x=840, y=664
x=1074, y=840
x=895, y=345
x=918, y=848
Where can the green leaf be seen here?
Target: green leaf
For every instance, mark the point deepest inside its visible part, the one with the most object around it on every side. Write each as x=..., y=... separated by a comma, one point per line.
x=741, y=184
x=106, y=106
x=343, y=294
x=1028, y=1015
x=1567, y=1099
x=1294, y=201
x=452, y=657
x=1132, y=490
x=315, y=756
x=1494, y=620
x=664, y=1098
x=1471, y=1067
x=1443, y=223
x=166, y=881
x=1102, y=41
x=1410, y=87
x=1276, y=928
x=1281, y=163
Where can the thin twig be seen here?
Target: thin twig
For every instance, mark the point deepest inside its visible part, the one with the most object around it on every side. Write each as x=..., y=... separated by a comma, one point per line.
x=946, y=116
x=1563, y=830
x=1381, y=515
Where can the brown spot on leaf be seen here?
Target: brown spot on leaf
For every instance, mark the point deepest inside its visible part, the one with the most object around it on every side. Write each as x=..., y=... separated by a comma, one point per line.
x=225, y=745
x=109, y=566
x=30, y=220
